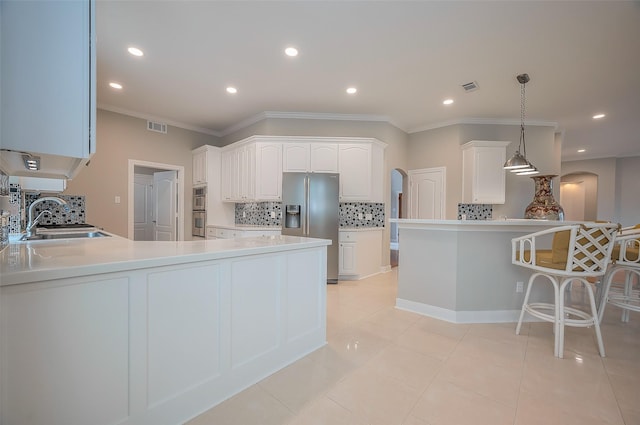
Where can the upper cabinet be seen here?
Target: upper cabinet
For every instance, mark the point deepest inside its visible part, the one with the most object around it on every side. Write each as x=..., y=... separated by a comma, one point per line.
x=48, y=84
x=483, y=178
x=257, y=175
x=199, y=170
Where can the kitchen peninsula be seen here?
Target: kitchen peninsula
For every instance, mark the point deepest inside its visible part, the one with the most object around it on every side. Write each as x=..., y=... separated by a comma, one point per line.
x=460, y=270
x=109, y=330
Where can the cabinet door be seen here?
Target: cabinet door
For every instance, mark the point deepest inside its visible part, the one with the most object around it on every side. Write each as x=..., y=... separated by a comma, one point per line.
x=483, y=178
x=354, y=162
x=324, y=157
x=347, y=264
x=268, y=176
x=228, y=179
x=295, y=157
x=199, y=168
x=48, y=77
x=246, y=174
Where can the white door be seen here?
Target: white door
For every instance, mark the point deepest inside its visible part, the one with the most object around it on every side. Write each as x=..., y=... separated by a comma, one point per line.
x=165, y=193
x=143, y=209
x=572, y=199
x=427, y=193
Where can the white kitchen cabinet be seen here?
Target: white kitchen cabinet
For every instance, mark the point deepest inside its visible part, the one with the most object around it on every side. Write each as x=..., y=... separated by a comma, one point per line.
x=228, y=178
x=361, y=172
x=238, y=174
x=354, y=162
x=296, y=157
x=483, y=178
x=360, y=252
x=315, y=157
x=268, y=171
x=48, y=84
x=323, y=157
x=199, y=170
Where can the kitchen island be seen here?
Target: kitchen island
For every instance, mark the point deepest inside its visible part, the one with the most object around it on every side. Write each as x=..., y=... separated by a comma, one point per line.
x=460, y=270
x=112, y=331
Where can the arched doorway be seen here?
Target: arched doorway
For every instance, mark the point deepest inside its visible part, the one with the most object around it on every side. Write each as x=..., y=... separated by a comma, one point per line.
x=579, y=196
x=398, y=208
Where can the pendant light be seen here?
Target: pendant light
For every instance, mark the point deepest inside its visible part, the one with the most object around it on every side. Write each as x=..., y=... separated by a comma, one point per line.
x=518, y=163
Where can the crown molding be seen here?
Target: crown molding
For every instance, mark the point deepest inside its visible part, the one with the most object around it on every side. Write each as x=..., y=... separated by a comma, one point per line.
x=307, y=116
x=135, y=114
x=485, y=121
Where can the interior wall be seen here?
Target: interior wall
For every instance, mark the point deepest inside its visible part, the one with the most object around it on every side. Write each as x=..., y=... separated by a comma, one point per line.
x=440, y=147
x=120, y=138
x=628, y=191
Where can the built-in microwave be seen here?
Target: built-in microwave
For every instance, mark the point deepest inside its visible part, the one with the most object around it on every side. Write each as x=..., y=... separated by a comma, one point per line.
x=199, y=198
x=199, y=224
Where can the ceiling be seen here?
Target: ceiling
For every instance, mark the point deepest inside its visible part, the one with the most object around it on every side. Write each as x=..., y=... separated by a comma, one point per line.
x=404, y=58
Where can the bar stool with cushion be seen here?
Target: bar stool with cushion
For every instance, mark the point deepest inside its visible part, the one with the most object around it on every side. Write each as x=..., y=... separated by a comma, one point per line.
x=578, y=252
x=626, y=262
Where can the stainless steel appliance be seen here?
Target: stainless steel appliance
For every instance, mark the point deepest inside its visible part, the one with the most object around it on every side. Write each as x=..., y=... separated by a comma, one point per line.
x=311, y=208
x=199, y=224
x=199, y=198
x=199, y=219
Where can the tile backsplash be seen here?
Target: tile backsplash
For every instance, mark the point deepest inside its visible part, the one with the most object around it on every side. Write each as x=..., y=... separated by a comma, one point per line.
x=75, y=215
x=352, y=214
x=475, y=211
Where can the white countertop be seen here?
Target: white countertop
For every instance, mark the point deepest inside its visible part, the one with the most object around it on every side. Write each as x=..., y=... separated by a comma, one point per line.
x=480, y=225
x=24, y=262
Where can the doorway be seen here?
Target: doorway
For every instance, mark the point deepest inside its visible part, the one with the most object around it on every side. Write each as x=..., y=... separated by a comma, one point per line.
x=155, y=201
x=579, y=196
x=397, y=210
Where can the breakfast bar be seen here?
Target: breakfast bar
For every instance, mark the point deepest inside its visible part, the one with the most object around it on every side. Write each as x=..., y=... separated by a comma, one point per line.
x=112, y=331
x=460, y=270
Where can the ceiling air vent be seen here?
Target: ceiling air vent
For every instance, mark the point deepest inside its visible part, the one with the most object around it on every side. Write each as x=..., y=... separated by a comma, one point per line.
x=157, y=126
x=472, y=86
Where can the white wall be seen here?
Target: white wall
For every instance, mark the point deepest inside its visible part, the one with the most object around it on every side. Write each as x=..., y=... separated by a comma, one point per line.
x=441, y=148
x=120, y=138
x=628, y=191
x=605, y=169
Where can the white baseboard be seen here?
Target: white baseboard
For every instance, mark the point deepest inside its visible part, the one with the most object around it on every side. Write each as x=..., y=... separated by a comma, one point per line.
x=488, y=316
x=385, y=269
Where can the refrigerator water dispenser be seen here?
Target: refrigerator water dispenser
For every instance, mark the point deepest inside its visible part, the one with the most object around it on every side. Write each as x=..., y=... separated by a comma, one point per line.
x=292, y=216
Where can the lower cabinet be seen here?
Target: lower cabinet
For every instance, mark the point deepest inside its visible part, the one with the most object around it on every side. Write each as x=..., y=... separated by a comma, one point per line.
x=360, y=253
x=214, y=232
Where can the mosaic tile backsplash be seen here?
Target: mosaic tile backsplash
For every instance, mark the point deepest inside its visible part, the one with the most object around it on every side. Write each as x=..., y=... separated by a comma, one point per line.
x=75, y=215
x=475, y=211
x=352, y=214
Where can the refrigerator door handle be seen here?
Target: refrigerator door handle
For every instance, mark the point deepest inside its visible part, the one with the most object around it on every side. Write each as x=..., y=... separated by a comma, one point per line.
x=307, y=191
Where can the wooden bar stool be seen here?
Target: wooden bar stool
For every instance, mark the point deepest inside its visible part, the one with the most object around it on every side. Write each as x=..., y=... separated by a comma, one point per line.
x=578, y=252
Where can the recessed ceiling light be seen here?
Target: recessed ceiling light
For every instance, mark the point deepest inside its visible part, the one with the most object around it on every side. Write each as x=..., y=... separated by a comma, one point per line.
x=232, y=90
x=291, y=51
x=447, y=102
x=115, y=85
x=135, y=51
x=598, y=116
x=581, y=150
x=352, y=90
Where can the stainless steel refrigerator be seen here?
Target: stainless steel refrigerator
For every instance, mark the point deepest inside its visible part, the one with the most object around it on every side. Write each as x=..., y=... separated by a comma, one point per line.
x=311, y=208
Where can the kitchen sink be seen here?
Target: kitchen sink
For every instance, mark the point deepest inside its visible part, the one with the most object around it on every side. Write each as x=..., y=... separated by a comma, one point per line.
x=65, y=235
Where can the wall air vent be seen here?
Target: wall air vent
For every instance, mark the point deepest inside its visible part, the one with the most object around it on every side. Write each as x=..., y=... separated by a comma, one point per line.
x=157, y=126
x=472, y=86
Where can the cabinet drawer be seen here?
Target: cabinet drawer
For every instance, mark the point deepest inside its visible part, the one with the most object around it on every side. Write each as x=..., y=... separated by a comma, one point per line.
x=225, y=233
x=347, y=236
x=211, y=233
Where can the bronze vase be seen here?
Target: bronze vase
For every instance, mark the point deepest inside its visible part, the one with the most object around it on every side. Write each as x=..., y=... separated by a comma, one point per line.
x=544, y=206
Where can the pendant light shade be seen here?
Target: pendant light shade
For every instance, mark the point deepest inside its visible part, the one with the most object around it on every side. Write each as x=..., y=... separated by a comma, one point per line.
x=518, y=163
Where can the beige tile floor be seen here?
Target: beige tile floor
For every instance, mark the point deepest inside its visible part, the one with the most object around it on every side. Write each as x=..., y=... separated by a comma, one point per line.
x=384, y=366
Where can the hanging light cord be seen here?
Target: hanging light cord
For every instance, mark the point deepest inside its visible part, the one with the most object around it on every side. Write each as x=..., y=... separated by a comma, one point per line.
x=522, y=142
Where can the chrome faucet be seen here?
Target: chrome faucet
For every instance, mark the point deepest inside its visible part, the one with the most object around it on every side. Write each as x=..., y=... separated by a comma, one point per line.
x=33, y=222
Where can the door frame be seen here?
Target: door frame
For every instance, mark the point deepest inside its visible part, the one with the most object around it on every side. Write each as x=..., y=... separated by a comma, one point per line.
x=162, y=167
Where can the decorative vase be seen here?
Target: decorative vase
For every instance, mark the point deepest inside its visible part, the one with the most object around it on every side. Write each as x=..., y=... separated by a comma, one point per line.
x=544, y=206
